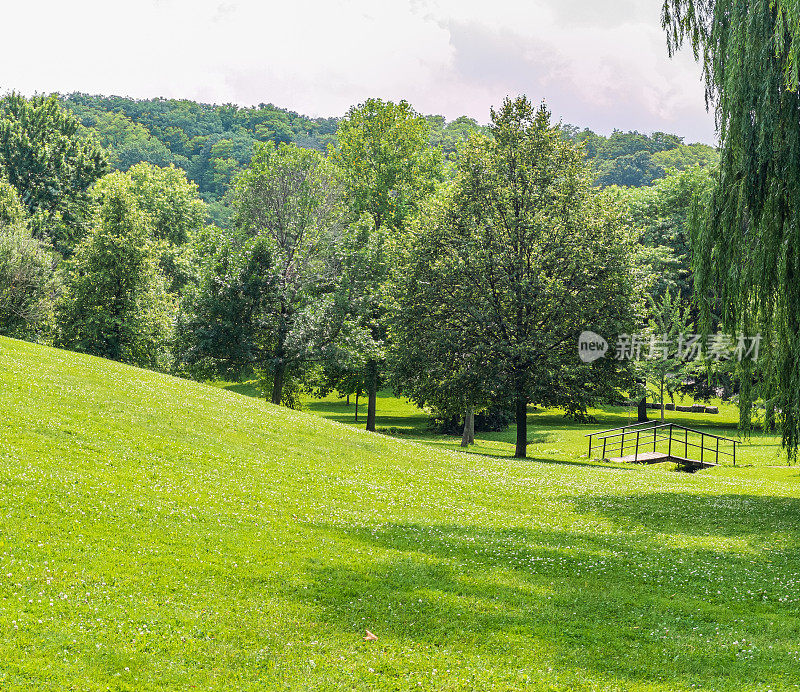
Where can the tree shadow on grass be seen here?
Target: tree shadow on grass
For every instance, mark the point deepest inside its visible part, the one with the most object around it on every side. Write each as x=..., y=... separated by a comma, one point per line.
x=245, y=388
x=615, y=601
x=698, y=514
x=556, y=462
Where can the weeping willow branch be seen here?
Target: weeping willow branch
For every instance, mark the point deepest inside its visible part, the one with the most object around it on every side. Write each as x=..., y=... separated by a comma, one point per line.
x=747, y=242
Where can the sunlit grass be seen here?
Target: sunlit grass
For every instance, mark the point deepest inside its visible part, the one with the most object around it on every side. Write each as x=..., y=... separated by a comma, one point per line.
x=162, y=534
x=551, y=436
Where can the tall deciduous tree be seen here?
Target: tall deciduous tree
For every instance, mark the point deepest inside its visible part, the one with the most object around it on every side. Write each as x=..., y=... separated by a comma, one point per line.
x=748, y=244
x=267, y=301
x=388, y=167
x=437, y=358
x=289, y=196
x=116, y=305
x=520, y=260
x=51, y=165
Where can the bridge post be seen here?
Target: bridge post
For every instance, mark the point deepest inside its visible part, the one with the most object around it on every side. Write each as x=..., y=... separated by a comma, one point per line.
x=654, y=439
x=604, y=448
x=622, y=445
x=716, y=459
x=590, y=447
x=686, y=443
x=702, y=446
x=669, y=453
x=636, y=456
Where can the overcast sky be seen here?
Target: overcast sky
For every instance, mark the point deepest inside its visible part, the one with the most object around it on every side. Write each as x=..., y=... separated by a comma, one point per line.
x=597, y=64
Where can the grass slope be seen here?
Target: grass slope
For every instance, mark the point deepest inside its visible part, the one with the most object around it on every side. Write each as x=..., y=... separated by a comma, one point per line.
x=161, y=534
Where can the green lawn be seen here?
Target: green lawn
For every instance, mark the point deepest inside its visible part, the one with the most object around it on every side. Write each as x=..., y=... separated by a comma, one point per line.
x=552, y=437
x=161, y=534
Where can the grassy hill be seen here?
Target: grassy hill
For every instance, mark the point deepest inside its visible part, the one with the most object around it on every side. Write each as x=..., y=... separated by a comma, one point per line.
x=162, y=534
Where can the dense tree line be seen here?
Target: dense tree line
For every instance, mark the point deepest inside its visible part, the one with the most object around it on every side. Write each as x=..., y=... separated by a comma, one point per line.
x=454, y=262
x=212, y=143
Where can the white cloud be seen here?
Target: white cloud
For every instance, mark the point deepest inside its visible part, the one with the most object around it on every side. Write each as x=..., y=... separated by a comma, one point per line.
x=598, y=65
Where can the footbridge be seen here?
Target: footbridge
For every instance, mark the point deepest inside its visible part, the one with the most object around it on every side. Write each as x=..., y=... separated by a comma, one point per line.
x=652, y=443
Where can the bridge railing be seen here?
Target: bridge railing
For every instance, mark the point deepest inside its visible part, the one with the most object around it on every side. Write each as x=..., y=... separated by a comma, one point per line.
x=641, y=438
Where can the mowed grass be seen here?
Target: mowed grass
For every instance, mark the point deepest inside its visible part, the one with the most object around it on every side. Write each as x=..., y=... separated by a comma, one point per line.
x=551, y=436
x=162, y=534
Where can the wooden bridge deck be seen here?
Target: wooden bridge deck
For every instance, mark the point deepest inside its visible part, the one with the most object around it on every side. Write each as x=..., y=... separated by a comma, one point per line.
x=658, y=457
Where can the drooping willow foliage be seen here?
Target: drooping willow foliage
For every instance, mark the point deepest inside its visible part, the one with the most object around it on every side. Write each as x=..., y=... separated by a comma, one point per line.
x=747, y=242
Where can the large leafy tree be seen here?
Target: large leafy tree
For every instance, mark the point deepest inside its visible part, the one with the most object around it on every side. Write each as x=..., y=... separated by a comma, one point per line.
x=387, y=167
x=51, y=165
x=519, y=260
x=267, y=302
x=116, y=304
x=436, y=357
x=748, y=243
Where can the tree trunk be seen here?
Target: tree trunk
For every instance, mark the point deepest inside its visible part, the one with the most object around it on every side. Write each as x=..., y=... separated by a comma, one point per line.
x=279, y=373
x=358, y=392
x=347, y=403
x=277, y=381
x=472, y=426
x=372, y=391
x=662, y=402
x=642, y=410
x=522, y=428
x=468, y=437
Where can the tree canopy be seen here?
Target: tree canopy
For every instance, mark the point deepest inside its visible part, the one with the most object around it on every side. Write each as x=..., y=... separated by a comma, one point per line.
x=50, y=165
x=213, y=143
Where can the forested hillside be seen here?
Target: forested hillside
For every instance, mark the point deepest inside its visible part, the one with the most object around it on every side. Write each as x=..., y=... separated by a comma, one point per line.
x=214, y=142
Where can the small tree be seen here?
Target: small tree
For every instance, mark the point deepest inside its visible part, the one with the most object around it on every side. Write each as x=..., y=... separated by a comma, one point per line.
x=664, y=366
x=387, y=167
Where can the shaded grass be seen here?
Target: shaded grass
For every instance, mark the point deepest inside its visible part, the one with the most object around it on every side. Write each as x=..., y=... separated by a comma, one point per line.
x=162, y=534
x=550, y=435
